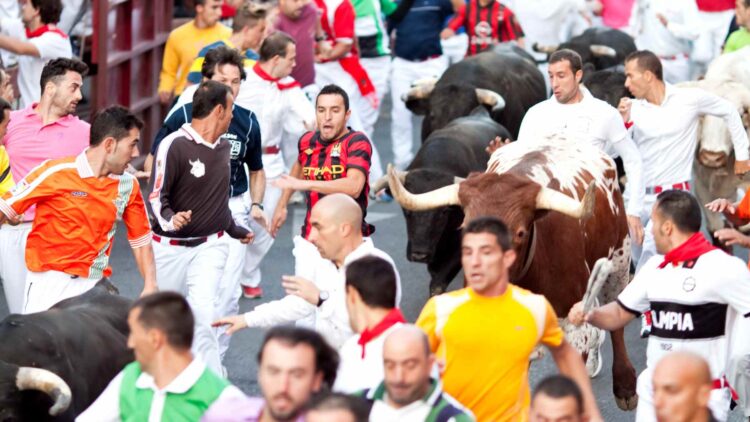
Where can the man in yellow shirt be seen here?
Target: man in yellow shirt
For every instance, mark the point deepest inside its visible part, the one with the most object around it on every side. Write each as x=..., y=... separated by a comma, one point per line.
x=484, y=334
x=185, y=42
x=6, y=179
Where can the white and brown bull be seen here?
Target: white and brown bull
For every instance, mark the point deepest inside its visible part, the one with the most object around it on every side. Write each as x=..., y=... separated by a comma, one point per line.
x=563, y=207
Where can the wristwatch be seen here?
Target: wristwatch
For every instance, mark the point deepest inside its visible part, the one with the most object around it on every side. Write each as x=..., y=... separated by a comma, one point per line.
x=322, y=297
x=260, y=205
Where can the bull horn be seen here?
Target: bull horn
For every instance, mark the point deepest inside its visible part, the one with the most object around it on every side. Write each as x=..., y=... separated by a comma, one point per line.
x=600, y=50
x=445, y=196
x=29, y=378
x=547, y=49
x=382, y=183
x=490, y=98
x=457, y=179
x=550, y=199
x=420, y=89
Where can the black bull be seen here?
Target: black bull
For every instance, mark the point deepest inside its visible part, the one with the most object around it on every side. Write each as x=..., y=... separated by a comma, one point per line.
x=81, y=340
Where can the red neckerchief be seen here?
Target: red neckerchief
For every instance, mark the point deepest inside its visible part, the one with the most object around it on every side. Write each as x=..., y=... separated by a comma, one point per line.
x=43, y=29
x=266, y=77
x=694, y=247
x=392, y=318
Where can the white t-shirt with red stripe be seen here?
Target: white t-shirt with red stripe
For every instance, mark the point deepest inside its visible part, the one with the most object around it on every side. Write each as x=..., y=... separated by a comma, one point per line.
x=337, y=20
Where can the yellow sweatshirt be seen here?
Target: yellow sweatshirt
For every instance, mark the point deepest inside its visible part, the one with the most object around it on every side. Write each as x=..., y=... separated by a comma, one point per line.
x=6, y=179
x=182, y=47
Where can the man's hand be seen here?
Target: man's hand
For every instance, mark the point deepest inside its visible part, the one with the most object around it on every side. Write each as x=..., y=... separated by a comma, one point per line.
x=181, y=219
x=576, y=315
x=496, y=144
x=279, y=217
x=662, y=19
x=721, y=205
x=235, y=323
x=248, y=238
x=731, y=237
x=259, y=216
x=288, y=182
x=636, y=229
x=741, y=167
x=446, y=33
x=12, y=221
x=298, y=286
x=165, y=97
x=624, y=108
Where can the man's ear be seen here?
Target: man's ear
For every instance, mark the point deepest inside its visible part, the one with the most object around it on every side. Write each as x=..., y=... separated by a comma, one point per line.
x=110, y=144
x=509, y=257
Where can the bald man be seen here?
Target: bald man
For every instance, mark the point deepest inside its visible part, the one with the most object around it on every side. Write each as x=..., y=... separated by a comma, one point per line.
x=682, y=388
x=336, y=232
x=408, y=392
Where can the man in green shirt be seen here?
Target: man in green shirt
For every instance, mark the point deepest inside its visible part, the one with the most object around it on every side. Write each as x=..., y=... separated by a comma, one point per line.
x=165, y=383
x=741, y=37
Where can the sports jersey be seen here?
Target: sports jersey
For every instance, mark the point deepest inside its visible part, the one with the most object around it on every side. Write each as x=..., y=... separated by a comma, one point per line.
x=194, y=76
x=486, y=25
x=372, y=36
x=737, y=40
x=243, y=135
x=484, y=344
x=418, y=34
x=76, y=216
x=693, y=304
x=321, y=160
x=6, y=177
x=435, y=406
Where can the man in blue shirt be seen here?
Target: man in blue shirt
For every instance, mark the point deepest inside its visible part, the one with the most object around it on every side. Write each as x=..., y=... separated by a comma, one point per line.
x=418, y=55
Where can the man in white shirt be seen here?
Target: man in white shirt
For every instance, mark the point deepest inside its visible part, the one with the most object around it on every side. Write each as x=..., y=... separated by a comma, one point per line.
x=36, y=40
x=663, y=121
x=371, y=302
x=574, y=112
x=336, y=222
x=166, y=382
x=667, y=27
x=694, y=294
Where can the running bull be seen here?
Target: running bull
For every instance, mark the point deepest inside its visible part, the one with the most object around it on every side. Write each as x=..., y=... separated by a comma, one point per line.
x=485, y=79
x=564, y=210
x=604, y=48
x=54, y=364
x=448, y=154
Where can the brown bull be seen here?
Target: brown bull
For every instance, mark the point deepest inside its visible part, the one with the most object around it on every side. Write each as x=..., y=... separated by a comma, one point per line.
x=563, y=207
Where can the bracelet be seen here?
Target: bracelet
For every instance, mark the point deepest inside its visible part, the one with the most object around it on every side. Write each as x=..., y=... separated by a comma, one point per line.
x=258, y=204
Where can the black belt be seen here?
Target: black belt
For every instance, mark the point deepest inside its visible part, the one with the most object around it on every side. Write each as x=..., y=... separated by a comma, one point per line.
x=190, y=243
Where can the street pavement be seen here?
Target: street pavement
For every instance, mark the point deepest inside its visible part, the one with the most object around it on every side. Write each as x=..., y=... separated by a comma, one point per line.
x=390, y=236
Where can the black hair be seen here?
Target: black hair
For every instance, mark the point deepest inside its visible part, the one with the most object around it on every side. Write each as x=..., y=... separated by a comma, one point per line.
x=560, y=387
x=209, y=95
x=49, y=10
x=219, y=56
x=374, y=279
x=357, y=407
x=274, y=45
x=4, y=105
x=492, y=226
x=681, y=208
x=169, y=313
x=115, y=121
x=646, y=60
x=334, y=89
x=571, y=56
x=326, y=357
x=56, y=69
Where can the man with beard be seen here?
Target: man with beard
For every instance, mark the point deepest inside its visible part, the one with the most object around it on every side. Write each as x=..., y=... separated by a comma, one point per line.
x=408, y=392
x=42, y=131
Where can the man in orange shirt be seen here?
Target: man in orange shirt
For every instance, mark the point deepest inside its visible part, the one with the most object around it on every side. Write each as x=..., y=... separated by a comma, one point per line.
x=484, y=334
x=79, y=200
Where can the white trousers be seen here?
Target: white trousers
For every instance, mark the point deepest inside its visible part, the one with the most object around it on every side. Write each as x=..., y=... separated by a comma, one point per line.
x=403, y=73
x=714, y=27
x=13, y=264
x=718, y=403
x=256, y=251
x=45, y=289
x=676, y=70
x=196, y=272
x=379, y=71
x=454, y=48
x=642, y=253
x=363, y=115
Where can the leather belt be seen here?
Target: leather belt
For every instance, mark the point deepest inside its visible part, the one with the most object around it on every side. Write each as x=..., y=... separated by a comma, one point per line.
x=655, y=190
x=190, y=243
x=272, y=150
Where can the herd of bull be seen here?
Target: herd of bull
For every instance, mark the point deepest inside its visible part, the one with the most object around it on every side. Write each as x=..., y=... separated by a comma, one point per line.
x=561, y=201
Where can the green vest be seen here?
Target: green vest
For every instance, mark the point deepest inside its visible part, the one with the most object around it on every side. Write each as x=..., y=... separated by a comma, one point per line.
x=135, y=403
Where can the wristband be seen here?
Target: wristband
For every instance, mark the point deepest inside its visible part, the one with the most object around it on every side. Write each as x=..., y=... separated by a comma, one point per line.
x=258, y=204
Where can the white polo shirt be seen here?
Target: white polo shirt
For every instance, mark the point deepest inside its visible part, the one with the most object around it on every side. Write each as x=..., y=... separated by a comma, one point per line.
x=591, y=121
x=683, y=26
x=667, y=134
x=356, y=372
x=694, y=305
x=51, y=45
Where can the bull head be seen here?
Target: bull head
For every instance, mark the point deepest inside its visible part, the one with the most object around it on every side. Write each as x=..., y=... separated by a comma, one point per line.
x=422, y=89
x=546, y=49
x=29, y=378
x=546, y=199
x=599, y=50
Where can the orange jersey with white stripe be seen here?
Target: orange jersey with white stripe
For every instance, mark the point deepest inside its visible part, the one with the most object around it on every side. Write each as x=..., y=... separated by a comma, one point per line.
x=483, y=346
x=76, y=216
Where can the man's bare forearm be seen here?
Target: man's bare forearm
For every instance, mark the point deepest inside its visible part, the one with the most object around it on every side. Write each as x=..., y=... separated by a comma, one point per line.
x=144, y=259
x=257, y=186
x=570, y=363
x=611, y=316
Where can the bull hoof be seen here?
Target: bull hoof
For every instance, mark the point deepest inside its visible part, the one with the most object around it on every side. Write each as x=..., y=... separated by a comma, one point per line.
x=628, y=403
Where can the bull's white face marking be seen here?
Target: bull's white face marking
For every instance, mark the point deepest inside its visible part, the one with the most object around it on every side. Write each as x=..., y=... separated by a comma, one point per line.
x=568, y=161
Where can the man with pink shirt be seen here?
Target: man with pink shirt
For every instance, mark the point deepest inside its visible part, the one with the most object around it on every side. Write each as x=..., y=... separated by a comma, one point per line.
x=42, y=131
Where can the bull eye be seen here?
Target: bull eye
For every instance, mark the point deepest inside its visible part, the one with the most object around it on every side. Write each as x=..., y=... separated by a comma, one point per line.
x=521, y=233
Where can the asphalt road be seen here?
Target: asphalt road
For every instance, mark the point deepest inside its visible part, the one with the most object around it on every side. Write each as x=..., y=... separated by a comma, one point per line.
x=390, y=237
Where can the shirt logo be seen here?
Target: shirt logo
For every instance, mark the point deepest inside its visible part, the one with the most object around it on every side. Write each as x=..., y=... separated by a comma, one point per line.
x=79, y=194
x=336, y=151
x=199, y=169
x=669, y=320
x=308, y=151
x=689, y=284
